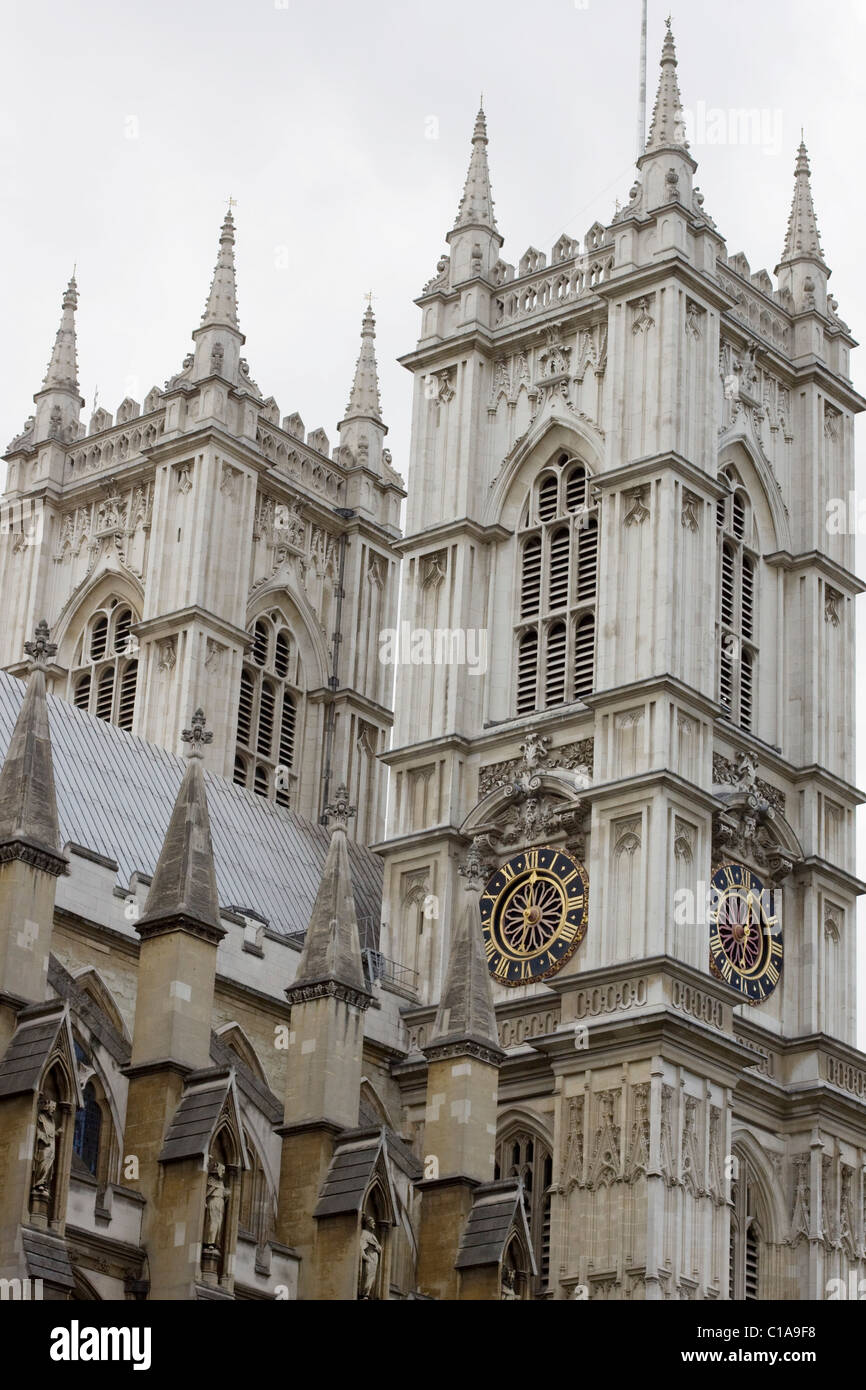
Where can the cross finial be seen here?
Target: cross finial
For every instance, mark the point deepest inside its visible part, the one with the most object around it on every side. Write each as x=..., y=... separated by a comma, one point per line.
x=40, y=649
x=339, y=812
x=233, y=202
x=197, y=735
x=369, y=298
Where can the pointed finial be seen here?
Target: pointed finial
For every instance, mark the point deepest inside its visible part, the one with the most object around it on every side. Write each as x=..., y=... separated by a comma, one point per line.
x=802, y=237
x=364, y=395
x=222, y=301
x=369, y=298
x=339, y=812
x=668, y=122
x=62, y=369
x=476, y=205
x=197, y=736
x=40, y=650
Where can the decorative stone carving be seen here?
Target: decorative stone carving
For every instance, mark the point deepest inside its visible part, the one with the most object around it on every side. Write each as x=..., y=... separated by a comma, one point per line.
x=832, y=600
x=605, y=1163
x=637, y=1159
x=694, y=315
x=167, y=654
x=444, y=389
x=339, y=811
x=742, y=775
x=575, y=757
x=184, y=478
x=690, y=1163
x=668, y=1165
x=433, y=569
x=642, y=319
x=572, y=1146
x=714, y=1164
x=692, y=507
x=638, y=512
x=802, y=1207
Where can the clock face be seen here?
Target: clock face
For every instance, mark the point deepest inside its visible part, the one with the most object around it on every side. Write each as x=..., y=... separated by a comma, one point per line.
x=745, y=933
x=533, y=915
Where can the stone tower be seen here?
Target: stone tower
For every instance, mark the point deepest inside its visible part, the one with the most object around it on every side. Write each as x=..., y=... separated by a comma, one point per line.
x=641, y=438
x=197, y=548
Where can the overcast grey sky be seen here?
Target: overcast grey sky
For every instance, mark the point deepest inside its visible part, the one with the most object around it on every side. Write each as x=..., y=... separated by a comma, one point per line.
x=124, y=128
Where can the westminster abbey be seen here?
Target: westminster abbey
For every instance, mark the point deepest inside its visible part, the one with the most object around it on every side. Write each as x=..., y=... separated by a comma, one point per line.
x=333, y=974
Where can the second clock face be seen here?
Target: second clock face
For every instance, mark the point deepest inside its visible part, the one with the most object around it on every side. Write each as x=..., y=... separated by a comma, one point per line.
x=745, y=934
x=533, y=915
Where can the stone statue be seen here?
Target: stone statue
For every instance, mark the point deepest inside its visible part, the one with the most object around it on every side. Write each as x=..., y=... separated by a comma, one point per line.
x=47, y=1134
x=509, y=1283
x=371, y=1255
x=216, y=1198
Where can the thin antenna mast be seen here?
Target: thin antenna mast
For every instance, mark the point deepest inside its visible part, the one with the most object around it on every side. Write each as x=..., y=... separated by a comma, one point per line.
x=641, y=105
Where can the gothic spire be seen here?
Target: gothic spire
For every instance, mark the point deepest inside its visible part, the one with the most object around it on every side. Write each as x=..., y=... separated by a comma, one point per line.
x=28, y=803
x=332, y=948
x=802, y=238
x=668, y=123
x=364, y=397
x=476, y=205
x=221, y=309
x=466, y=1009
x=62, y=373
x=184, y=887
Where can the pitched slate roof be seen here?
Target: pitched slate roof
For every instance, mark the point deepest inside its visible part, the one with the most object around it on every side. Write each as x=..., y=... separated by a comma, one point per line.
x=497, y=1208
x=31, y=1045
x=115, y=794
x=356, y=1158
x=204, y=1096
x=47, y=1258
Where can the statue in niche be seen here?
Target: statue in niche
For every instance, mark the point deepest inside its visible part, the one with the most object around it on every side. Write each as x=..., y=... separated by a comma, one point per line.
x=216, y=1198
x=47, y=1134
x=509, y=1284
x=371, y=1255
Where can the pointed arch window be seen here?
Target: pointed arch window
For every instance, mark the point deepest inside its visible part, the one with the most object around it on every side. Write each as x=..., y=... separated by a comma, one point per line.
x=524, y=1155
x=746, y=1239
x=558, y=550
x=270, y=709
x=737, y=610
x=103, y=678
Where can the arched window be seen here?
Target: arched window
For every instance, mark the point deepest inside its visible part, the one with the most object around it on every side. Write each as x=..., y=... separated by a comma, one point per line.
x=104, y=674
x=738, y=652
x=255, y=1205
x=269, y=712
x=523, y=1155
x=88, y=1127
x=745, y=1248
x=558, y=550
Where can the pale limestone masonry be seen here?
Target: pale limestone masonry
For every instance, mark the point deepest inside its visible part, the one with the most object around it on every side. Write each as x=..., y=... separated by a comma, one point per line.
x=621, y=463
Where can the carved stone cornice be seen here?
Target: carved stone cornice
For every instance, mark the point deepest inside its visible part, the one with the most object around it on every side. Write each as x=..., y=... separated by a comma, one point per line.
x=50, y=861
x=180, y=922
x=328, y=989
x=465, y=1047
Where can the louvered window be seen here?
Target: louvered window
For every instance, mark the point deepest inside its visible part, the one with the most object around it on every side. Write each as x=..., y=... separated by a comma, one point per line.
x=548, y=497
x=102, y=679
x=527, y=671
x=122, y=625
x=748, y=597
x=744, y=1263
x=81, y=697
x=556, y=654
x=727, y=585
x=530, y=592
x=558, y=586
x=245, y=707
x=126, y=703
x=99, y=638
x=105, y=693
x=587, y=562
x=559, y=549
x=260, y=643
x=265, y=740
x=525, y=1156
x=738, y=653
x=281, y=654
x=270, y=712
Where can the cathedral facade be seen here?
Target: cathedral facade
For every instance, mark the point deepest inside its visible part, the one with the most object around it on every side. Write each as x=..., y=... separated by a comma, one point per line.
x=456, y=901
